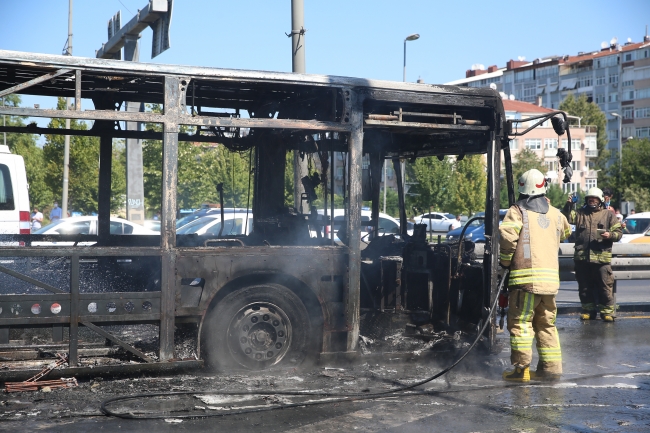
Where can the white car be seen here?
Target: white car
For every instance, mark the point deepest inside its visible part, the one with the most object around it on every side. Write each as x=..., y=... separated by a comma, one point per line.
x=87, y=225
x=234, y=223
x=636, y=226
x=436, y=221
x=387, y=224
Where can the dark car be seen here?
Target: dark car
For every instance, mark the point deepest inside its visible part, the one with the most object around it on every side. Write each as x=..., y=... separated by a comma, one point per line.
x=476, y=230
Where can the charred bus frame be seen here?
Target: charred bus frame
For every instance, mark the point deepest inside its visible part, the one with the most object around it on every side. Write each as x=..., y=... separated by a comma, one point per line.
x=305, y=113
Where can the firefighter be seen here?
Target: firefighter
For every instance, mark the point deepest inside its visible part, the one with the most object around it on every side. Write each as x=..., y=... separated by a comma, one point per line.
x=596, y=230
x=531, y=233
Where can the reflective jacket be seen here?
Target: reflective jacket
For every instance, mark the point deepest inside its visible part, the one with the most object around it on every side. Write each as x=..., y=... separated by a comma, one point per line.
x=529, y=246
x=590, y=246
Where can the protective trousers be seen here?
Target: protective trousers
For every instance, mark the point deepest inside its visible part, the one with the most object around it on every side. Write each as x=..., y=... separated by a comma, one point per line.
x=533, y=316
x=595, y=286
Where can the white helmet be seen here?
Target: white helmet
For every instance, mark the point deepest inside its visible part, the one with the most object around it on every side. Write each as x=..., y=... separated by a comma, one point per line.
x=595, y=192
x=532, y=183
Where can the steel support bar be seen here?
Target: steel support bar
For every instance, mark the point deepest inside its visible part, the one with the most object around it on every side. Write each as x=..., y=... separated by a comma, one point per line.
x=77, y=90
x=73, y=356
x=65, y=251
x=181, y=119
x=33, y=81
x=117, y=341
x=352, y=301
x=491, y=253
x=175, y=92
x=419, y=125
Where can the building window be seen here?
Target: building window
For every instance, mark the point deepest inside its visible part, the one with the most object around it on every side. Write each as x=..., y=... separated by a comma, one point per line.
x=571, y=187
x=365, y=162
x=551, y=165
x=640, y=113
x=627, y=95
x=613, y=78
x=643, y=93
x=628, y=113
x=591, y=183
x=524, y=76
x=612, y=134
x=600, y=80
x=643, y=132
x=628, y=57
x=613, y=97
x=550, y=143
x=628, y=83
x=514, y=144
x=533, y=143
x=600, y=98
x=575, y=165
x=529, y=91
x=627, y=131
x=575, y=143
x=584, y=82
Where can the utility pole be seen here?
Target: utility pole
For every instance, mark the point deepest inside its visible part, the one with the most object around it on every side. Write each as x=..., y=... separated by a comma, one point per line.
x=66, y=146
x=300, y=168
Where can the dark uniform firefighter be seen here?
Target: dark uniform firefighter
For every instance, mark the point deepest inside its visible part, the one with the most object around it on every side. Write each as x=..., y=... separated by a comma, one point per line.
x=596, y=230
x=531, y=233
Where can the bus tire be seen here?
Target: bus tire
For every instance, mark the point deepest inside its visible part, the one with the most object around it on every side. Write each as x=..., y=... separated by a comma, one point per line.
x=257, y=327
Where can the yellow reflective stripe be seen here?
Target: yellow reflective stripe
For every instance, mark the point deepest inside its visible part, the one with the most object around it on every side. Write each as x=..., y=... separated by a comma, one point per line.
x=615, y=226
x=533, y=271
x=516, y=226
x=527, y=312
x=531, y=280
x=506, y=256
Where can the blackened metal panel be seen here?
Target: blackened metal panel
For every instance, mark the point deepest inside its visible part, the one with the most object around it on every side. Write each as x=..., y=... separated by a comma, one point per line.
x=354, y=220
x=74, y=310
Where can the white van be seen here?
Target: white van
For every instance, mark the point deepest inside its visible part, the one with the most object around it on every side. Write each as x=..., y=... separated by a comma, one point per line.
x=14, y=198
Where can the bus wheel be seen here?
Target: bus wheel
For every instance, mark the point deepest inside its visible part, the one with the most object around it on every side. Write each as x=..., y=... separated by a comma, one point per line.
x=257, y=327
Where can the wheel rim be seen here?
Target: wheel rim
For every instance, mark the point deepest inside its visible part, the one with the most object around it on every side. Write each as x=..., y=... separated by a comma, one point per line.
x=259, y=333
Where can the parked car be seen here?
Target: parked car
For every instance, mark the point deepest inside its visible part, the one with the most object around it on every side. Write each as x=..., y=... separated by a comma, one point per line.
x=14, y=198
x=477, y=235
x=453, y=235
x=636, y=226
x=234, y=223
x=436, y=221
x=387, y=224
x=204, y=212
x=87, y=225
x=152, y=225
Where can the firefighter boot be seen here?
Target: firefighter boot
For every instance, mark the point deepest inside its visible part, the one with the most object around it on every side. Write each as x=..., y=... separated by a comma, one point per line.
x=544, y=376
x=588, y=315
x=518, y=374
x=607, y=317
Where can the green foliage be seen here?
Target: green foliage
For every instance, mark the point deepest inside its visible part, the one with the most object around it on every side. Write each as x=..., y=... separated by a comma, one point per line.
x=469, y=185
x=432, y=184
x=25, y=145
x=590, y=114
x=634, y=179
x=83, y=174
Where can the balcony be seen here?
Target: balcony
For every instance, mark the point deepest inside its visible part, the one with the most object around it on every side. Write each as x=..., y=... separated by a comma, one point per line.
x=591, y=153
x=550, y=153
x=591, y=174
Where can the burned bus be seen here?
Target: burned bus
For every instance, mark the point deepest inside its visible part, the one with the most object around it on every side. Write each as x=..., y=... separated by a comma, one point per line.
x=286, y=290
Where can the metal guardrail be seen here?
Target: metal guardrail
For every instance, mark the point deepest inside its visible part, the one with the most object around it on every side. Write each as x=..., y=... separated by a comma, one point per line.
x=629, y=261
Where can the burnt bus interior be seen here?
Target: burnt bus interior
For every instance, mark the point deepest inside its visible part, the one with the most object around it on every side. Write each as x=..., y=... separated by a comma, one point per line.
x=187, y=283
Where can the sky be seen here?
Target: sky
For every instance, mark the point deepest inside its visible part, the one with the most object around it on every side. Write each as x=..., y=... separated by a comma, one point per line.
x=358, y=38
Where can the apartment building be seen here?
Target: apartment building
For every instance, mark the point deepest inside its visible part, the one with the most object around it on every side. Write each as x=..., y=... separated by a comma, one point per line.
x=544, y=142
x=616, y=77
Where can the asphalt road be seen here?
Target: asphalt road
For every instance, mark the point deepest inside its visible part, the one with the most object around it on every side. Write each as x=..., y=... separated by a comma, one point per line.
x=606, y=387
x=627, y=291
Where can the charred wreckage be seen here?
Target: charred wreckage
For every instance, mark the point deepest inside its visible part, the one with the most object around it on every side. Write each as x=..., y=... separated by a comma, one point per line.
x=288, y=290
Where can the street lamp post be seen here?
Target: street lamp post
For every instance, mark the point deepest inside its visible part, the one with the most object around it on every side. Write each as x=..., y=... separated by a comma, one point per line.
x=411, y=37
x=620, y=155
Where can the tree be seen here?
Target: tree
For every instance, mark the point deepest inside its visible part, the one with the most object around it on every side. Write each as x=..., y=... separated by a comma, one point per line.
x=83, y=177
x=635, y=173
x=25, y=145
x=590, y=114
x=433, y=183
x=469, y=185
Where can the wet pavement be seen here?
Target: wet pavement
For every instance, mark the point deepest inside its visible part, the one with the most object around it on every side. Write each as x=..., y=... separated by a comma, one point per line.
x=606, y=387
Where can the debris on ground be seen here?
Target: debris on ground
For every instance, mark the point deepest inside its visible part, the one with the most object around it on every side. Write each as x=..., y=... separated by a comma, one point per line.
x=34, y=383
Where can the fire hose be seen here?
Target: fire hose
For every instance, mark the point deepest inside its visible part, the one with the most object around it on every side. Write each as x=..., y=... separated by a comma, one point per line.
x=340, y=397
